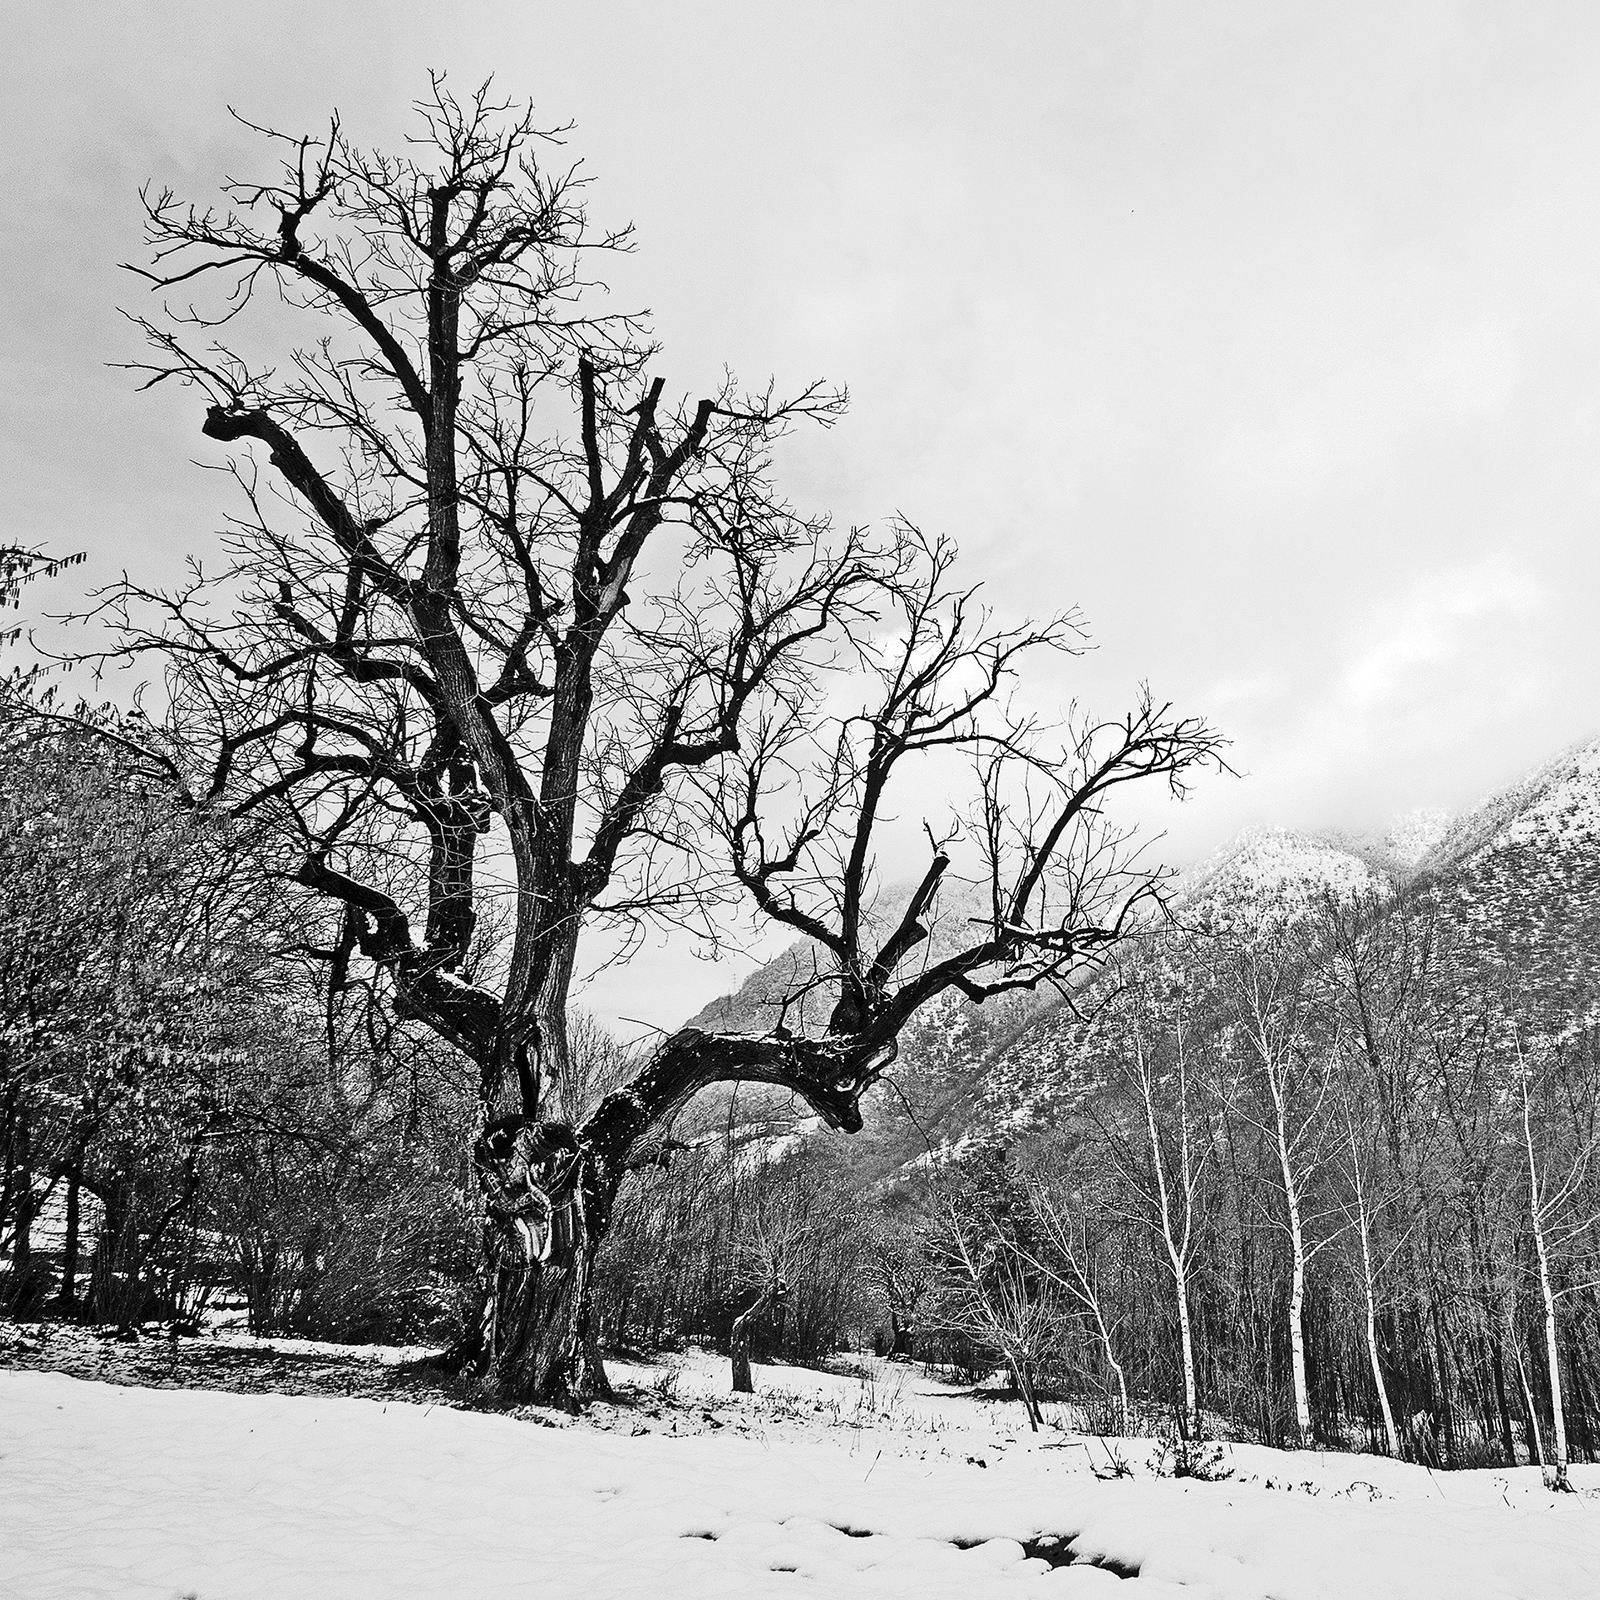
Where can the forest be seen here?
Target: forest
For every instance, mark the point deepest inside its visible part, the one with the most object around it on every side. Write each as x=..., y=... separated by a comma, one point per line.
x=1306, y=1165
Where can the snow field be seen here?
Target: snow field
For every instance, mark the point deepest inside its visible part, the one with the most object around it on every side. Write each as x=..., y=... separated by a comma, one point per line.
x=143, y=1494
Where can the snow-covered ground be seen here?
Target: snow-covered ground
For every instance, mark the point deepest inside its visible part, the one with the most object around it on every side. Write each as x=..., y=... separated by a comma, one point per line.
x=821, y=1485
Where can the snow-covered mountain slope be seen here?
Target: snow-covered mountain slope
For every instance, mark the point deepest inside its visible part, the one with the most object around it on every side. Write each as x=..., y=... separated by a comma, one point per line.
x=1398, y=850
x=1516, y=877
x=1556, y=806
x=1264, y=878
x=1519, y=875
x=1274, y=873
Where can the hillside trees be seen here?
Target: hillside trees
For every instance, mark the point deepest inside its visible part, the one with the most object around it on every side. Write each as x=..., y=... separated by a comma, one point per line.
x=1359, y=1058
x=503, y=627
x=1278, y=1078
x=131, y=975
x=1150, y=1121
x=1562, y=1200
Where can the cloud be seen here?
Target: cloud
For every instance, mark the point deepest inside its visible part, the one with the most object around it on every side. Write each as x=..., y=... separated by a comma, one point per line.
x=1437, y=622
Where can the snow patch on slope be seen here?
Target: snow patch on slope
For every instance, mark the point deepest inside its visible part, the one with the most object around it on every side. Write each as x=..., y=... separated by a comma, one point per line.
x=1271, y=873
x=1559, y=800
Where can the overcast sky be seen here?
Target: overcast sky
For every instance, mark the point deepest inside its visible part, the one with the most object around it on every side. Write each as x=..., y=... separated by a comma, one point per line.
x=1267, y=334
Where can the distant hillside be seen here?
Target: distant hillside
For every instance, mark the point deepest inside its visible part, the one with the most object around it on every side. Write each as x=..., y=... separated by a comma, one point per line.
x=1518, y=874
x=1521, y=874
x=1399, y=850
x=1276, y=871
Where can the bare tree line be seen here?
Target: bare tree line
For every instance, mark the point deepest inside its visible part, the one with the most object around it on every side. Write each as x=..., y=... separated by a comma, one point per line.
x=1336, y=1182
x=1329, y=1177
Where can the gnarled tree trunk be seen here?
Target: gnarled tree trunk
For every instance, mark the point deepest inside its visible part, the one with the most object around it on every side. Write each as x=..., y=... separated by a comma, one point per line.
x=540, y=1336
x=772, y=1291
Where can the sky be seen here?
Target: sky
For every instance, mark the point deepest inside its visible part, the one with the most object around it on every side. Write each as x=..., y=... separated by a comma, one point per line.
x=1267, y=335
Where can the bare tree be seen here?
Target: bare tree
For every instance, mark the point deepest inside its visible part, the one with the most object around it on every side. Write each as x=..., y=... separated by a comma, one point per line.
x=994, y=1295
x=904, y=1272
x=1361, y=1210
x=501, y=625
x=765, y=1256
x=1281, y=1084
x=1557, y=1219
x=1155, y=1156
x=1069, y=1257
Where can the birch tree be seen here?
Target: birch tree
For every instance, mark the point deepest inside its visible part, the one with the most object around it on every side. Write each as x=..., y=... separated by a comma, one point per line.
x=1068, y=1254
x=1280, y=1082
x=1157, y=1160
x=1361, y=1208
x=1560, y=1212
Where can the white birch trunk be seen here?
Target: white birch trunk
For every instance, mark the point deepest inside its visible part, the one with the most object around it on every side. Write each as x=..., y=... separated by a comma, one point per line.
x=1177, y=1250
x=1191, y=1398
x=1557, y=1477
x=1369, y=1285
x=1297, y=1332
x=1535, y=1441
x=1297, y=1286
x=1391, y=1436
x=1552, y=1356
x=1080, y=1284
x=1118, y=1373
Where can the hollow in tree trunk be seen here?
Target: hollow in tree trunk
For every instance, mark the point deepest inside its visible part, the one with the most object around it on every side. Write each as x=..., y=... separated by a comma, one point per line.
x=547, y=1208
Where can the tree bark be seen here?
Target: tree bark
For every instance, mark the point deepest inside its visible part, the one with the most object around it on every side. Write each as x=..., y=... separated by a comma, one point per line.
x=68, y=1293
x=1297, y=1282
x=1093, y=1301
x=1535, y=1440
x=1390, y=1434
x=1538, y=1207
x=1191, y=1395
x=739, y=1342
x=1558, y=1476
x=541, y=1344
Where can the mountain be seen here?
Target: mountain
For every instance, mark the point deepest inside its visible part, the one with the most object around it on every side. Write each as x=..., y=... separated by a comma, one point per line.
x=1399, y=850
x=1275, y=871
x=1518, y=876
